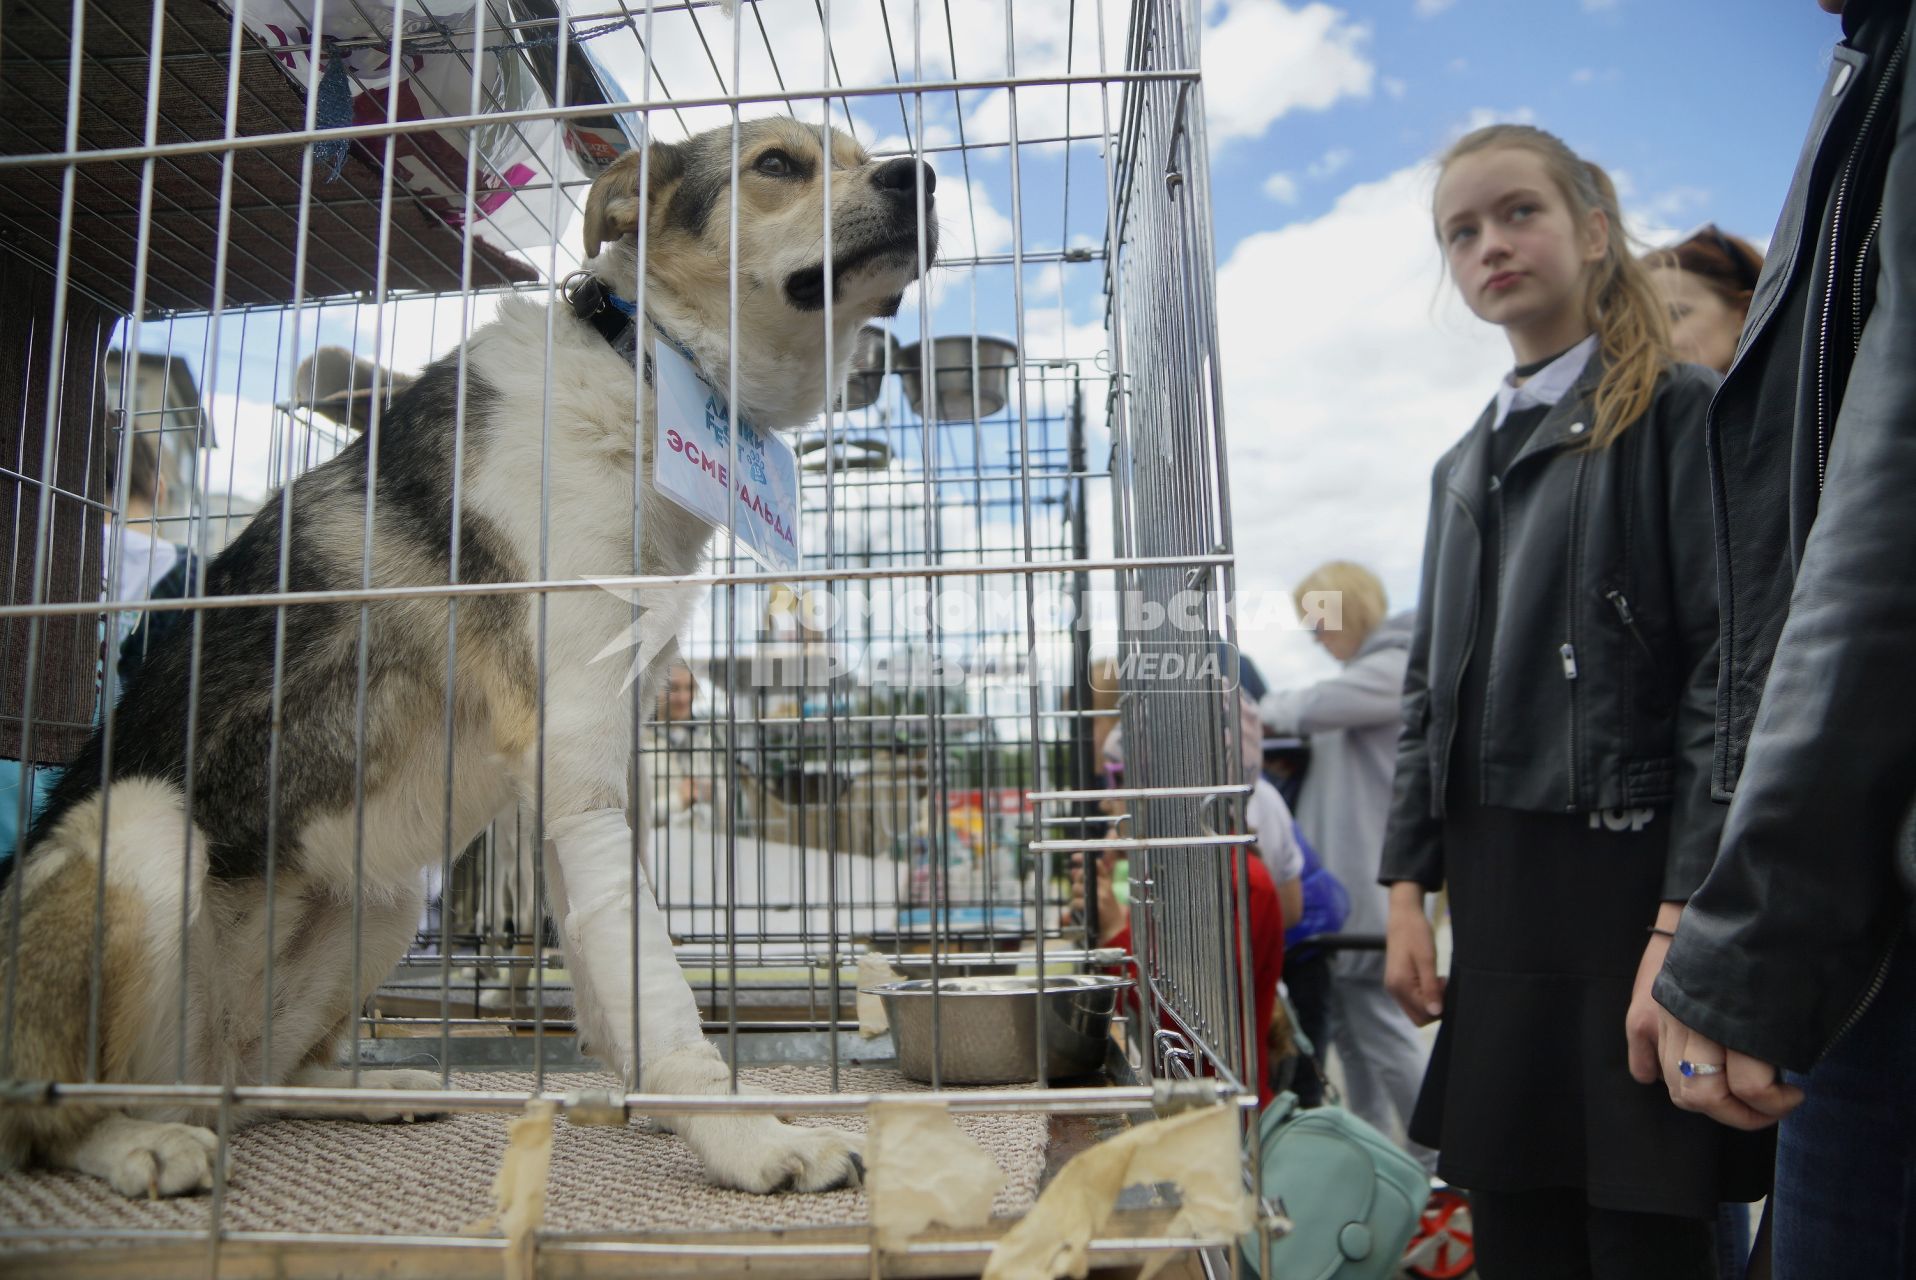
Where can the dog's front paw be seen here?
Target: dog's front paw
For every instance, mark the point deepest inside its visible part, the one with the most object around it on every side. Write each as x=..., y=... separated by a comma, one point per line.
x=153, y=1160
x=400, y=1079
x=765, y=1156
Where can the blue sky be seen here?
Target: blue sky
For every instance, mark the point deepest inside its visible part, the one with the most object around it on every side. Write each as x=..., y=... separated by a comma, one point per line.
x=1700, y=102
x=1347, y=367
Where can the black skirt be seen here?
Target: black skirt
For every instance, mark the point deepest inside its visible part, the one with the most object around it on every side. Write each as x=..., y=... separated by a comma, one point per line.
x=1529, y=1086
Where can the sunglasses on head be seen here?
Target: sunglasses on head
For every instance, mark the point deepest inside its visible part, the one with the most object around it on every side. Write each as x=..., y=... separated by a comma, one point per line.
x=1743, y=270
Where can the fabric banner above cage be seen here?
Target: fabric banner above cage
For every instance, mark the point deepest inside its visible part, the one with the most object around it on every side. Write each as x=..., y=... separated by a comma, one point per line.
x=435, y=76
x=279, y=237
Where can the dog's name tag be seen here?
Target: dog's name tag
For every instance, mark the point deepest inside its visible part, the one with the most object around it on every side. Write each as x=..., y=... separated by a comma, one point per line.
x=692, y=463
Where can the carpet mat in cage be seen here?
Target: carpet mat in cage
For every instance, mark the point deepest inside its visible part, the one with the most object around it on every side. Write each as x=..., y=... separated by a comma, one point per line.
x=435, y=1177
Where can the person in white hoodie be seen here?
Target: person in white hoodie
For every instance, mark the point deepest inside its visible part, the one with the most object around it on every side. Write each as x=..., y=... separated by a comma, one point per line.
x=1353, y=719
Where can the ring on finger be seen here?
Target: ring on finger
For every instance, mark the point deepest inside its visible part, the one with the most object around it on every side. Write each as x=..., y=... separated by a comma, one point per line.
x=1691, y=1070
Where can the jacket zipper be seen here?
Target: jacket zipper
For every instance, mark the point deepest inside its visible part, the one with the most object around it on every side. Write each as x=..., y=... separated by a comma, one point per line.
x=1483, y=737
x=1856, y=289
x=1439, y=800
x=1864, y=1001
x=1836, y=251
x=1568, y=652
x=1628, y=617
x=1456, y=714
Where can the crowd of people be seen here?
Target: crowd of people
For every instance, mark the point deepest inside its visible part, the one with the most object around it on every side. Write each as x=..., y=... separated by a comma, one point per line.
x=1648, y=742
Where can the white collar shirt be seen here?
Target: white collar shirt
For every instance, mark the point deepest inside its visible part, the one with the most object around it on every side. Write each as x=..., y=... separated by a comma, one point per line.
x=1547, y=386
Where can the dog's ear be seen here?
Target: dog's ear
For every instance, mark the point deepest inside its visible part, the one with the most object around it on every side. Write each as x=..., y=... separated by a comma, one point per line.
x=612, y=206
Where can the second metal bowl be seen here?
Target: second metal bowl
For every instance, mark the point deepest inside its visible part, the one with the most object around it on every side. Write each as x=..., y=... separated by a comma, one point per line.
x=988, y=1026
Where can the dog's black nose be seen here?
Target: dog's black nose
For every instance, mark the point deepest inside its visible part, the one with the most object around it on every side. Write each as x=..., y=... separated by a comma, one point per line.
x=898, y=175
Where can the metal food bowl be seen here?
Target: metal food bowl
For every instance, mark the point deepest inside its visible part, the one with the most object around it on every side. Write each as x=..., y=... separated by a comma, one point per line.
x=989, y=1026
x=920, y=967
x=956, y=395
x=874, y=353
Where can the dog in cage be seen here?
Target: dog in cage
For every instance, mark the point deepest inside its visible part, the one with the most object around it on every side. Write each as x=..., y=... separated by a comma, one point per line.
x=255, y=885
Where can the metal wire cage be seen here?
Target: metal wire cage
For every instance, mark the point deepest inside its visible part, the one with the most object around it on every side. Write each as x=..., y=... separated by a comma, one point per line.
x=246, y=249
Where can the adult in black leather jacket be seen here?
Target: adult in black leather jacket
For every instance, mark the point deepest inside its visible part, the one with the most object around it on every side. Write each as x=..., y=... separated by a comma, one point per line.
x=1797, y=950
x=1605, y=688
x=1813, y=458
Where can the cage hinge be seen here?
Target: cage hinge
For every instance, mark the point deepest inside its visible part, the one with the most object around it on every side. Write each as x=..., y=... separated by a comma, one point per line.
x=595, y=1106
x=1197, y=573
x=1170, y=1097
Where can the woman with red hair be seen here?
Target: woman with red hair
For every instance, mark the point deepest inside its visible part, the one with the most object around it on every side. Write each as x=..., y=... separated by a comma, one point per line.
x=1707, y=278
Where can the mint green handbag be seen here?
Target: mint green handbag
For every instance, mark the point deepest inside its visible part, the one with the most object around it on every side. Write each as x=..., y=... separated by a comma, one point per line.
x=1353, y=1197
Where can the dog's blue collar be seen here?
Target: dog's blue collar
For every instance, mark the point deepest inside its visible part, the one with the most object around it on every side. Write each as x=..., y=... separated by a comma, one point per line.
x=616, y=319
x=606, y=312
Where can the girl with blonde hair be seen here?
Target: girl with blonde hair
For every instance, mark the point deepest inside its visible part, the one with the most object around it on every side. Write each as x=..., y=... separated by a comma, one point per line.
x=1554, y=769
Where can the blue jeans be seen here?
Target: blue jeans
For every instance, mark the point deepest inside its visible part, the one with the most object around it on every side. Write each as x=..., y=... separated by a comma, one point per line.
x=1732, y=1241
x=1846, y=1159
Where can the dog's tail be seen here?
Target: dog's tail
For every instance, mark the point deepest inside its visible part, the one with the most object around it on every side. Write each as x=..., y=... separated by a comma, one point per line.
x=134, y=910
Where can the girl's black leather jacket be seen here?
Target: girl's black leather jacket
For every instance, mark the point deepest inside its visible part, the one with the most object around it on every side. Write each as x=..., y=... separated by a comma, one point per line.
x=1602, y=689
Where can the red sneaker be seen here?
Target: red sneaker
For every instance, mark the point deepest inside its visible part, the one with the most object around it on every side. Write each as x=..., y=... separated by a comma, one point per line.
x=1444, y=1247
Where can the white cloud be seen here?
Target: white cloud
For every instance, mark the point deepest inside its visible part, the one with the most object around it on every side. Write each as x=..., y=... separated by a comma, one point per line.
x=1265, y=59
x=968, y=223
x=1330, y=162
x=936, y=134
x=1054, y=334
x=1281, y=187
x=1481, y=117
x=1343, y=383
x=1044, y=111
x=1676, y=203
x=1647, y=219
x=1394, y=87
x=871, y=43
x=1430, y=8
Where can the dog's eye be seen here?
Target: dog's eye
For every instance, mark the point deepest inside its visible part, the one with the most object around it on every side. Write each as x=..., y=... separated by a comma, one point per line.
x=776, y=164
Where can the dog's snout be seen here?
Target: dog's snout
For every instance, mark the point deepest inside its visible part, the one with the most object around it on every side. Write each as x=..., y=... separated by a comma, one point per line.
x=899, y=175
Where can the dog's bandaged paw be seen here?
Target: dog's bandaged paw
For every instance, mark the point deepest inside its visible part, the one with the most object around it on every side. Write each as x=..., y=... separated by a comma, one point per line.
x=757, y=1153
x=142, y=1158
x=766, y=1156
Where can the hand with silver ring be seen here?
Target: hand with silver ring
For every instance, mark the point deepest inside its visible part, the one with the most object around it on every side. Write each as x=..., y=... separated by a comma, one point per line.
x=1730, y=1087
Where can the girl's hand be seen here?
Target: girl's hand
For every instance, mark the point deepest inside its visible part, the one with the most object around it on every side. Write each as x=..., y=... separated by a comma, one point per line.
x=1410, y=956
x=1112, y=917
x=1640, y=1023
